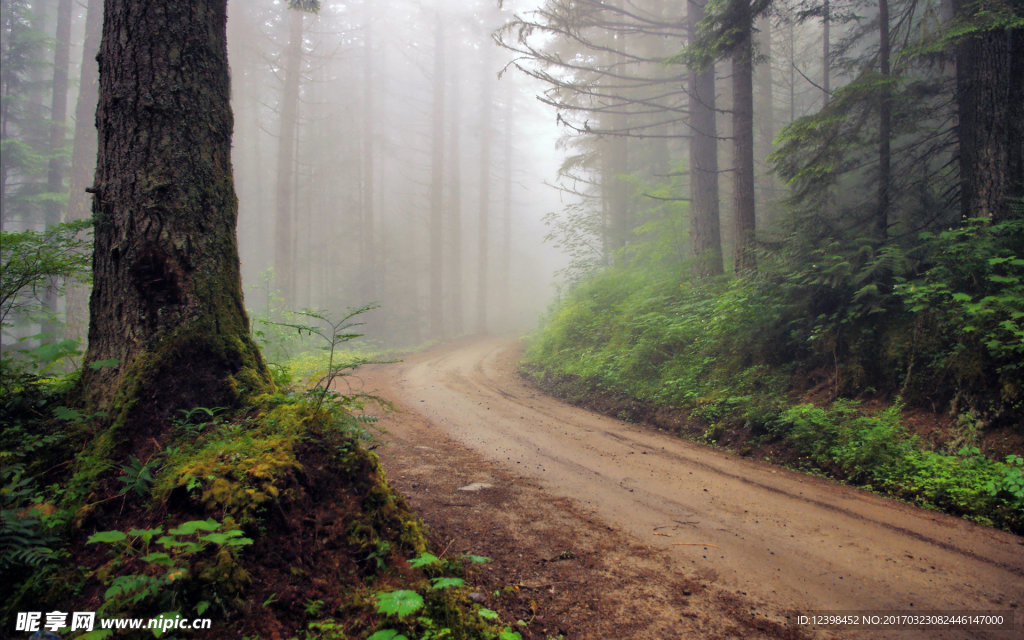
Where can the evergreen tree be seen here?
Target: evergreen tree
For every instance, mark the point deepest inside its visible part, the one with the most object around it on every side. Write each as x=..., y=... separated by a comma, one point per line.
x=167, y=302
x=990, y=106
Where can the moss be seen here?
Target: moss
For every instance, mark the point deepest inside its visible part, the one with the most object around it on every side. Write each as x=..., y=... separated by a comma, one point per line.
x=239, y=477
x=193, y=366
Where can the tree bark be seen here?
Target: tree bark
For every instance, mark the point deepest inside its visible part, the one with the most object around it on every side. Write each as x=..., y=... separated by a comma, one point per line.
x=990, y=101
x=83, y=158
x=436, y=294
x=59, y=107
x=505, y=257
x=367, y=227
x=765, y=126
x=484, y=207
x=454, y=209
x=56, y=168
x=705, y=225
x=615, y=165
x=743, y=142
x=284, y=257
x=881, y=223
x=167, y=297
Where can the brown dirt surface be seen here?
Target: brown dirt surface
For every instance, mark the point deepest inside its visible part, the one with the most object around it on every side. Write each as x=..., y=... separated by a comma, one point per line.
x=604, y=529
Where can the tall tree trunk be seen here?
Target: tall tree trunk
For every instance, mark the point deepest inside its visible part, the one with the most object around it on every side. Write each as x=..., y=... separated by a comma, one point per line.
x=990, y=102
x=435, y=300
x=505, y=258
x=58, y=138
x=484, y=207
x=615, y=163
x=367, y=227
x=167, y=296
x=881, y=224
x=59, y=108
x=826, y=45
x=705, y=225
x=284, y=247
x=743, y=142
x=454, y=208
x=765, y=125
x=83, y=158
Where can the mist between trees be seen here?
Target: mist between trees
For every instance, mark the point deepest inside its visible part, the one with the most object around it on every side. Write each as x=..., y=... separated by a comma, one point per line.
x=398, y=154
x=378, y=158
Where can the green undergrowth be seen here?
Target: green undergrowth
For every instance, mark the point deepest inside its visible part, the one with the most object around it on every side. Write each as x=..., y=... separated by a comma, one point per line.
x=939, y=325
x=273, y=520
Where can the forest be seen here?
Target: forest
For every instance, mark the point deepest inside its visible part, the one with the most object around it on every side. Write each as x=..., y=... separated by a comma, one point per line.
x=792, y=230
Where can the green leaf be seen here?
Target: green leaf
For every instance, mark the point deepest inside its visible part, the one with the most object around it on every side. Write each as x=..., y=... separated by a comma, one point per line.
x=159, y=630
x=508, y=634
x=64, y=413
x=1003, y=279
x=477, y=559
x=158, y=557
x=220, y=538
x=192, y=526
x=444, y=583
x=106, y=536
x=424, y=559
x=399, y=603
x=387, y=634
x=146, y=534
x=186, y=545
x=488, y=614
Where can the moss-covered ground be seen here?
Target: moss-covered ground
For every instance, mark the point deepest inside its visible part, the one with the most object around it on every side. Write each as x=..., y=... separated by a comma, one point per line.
x=273, y=520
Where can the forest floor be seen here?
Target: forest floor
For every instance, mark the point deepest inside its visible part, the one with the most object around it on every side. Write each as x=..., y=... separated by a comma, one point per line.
x=604, y=529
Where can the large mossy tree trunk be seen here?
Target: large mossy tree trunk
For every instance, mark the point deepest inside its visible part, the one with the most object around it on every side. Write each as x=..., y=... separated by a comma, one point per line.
x=167, y=298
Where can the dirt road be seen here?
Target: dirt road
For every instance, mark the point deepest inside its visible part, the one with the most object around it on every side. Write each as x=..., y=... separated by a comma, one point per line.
x=737, y=537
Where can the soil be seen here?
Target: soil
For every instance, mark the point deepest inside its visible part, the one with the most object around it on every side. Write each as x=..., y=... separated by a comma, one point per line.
x=600, y=528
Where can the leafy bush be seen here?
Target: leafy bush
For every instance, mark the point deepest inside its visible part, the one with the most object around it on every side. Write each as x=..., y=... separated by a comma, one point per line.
x=199, y=555
x=32, y=262
x=968, y=295
x=937, y=323
x=877, y=450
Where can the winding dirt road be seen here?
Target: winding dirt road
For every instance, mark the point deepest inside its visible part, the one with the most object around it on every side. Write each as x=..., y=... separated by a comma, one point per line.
x=784, y=542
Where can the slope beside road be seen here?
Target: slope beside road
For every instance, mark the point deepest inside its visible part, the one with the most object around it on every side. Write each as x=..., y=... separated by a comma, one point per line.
x=689, y=541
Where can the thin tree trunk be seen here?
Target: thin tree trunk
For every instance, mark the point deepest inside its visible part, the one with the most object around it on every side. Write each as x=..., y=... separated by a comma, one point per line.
x=743, y=143
x=83, y=159
x=826, y=44
x=284, y=257
x=367, y=231
x=615, y=150
x=765, y=125
x=505, y=259
x=59, y=107
x=881, y=225
x=484, y=208
x=455, y=279
x=792, y=70
x=705, y=226
x=435, y=302
x=58, y=138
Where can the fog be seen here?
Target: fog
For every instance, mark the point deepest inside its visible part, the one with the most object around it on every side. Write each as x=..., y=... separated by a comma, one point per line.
x=382, y=157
